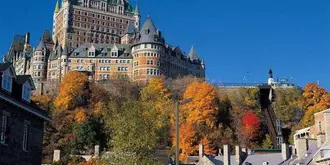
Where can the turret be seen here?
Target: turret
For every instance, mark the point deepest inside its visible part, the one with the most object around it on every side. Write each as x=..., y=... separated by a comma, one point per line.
x=147, y=49
x=137, y=17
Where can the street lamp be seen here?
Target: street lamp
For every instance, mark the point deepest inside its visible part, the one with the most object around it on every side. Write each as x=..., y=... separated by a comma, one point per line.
x=177, y=103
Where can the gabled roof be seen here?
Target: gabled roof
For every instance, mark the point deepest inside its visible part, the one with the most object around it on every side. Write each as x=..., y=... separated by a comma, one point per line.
x=21, y=79
x=40, y=46
x=4, y=66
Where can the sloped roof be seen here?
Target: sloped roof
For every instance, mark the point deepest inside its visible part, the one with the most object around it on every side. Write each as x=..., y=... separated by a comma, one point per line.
x=149, y=33
x=124, y=51
x=40, y=46
x=21, y=79
x=4, y=66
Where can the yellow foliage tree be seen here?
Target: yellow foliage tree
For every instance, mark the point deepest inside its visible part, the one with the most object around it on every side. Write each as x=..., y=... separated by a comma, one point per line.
x=203, y=107
x=73, y=88
x=314, y=99
x=80, y=115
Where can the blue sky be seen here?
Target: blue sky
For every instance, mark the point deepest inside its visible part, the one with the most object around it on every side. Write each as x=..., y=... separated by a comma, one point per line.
x=236, y=38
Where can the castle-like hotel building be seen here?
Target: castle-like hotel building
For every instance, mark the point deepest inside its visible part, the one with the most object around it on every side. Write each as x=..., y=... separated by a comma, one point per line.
x=104, y=39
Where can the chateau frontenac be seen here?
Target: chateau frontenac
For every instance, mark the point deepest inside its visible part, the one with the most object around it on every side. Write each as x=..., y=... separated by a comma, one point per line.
x=104, y=39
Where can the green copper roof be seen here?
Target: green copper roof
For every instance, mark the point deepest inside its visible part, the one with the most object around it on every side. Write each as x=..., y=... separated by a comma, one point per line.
x=57, y=7
x=137, y=11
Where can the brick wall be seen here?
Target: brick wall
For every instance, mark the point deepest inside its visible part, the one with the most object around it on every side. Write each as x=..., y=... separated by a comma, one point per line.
x=12, y=152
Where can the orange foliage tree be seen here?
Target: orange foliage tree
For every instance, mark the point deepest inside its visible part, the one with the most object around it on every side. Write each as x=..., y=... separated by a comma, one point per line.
x=203, y=108
x=250, y=124
x=188, y=140
x=72, y=91
x=209, y=147
x=314, y=99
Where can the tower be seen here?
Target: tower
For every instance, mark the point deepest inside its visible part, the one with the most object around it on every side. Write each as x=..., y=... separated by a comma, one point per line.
x=147, y=50
x=56, y=10
x=39, y=62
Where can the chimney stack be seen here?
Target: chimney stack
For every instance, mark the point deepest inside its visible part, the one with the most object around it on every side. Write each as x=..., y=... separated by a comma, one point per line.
x=57, y=155
x=238, y=154
x=327, y=125
x=201, y=151
x=285, y=151
x=96, y=150
x=27, y=38
x=226, y=155
x=301, y=145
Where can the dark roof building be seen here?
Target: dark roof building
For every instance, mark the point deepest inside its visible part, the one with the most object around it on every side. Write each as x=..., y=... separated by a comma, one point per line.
x=22, y=121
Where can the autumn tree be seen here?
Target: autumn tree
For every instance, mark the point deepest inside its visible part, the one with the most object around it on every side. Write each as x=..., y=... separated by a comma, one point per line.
x=188, y=140
x=73, y=91
x=251, y=124
x=203, y=107
x=314, y=99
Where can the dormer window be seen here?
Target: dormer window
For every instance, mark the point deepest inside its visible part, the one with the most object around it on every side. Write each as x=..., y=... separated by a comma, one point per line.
x=91, y=54
x=7, y=82
x=114, y=54
x=26, y=93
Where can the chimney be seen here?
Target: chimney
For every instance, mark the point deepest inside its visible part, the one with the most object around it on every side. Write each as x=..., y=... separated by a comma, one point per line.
x=226, y=155
x=97, y=150
x=238, y=154
x=301, y=147
x=244, y=150
x=285, y=151
x=27, y=38
x=57, y=155
x=201, y=151
x=327, y=126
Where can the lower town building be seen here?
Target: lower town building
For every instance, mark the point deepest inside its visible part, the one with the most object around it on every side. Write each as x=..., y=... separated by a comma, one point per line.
x=22, y=122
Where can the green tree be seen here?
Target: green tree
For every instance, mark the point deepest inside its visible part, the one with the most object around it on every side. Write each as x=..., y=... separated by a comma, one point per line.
x=267, y=143
x=135, y=134
x=86, y=134
x=286, y=105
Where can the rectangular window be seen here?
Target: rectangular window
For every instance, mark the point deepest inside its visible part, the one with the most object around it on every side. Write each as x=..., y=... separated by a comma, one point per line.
x=25, y=137
x=26, y=93
x=4, y=125
x=320, y=126
x=7, y=82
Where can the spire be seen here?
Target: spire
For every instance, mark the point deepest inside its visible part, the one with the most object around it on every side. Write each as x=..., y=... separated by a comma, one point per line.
x=270, y=73
x=131, y=28
x=137, y=10
x=193, y=54
x=57, y=7
x=149, y=26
